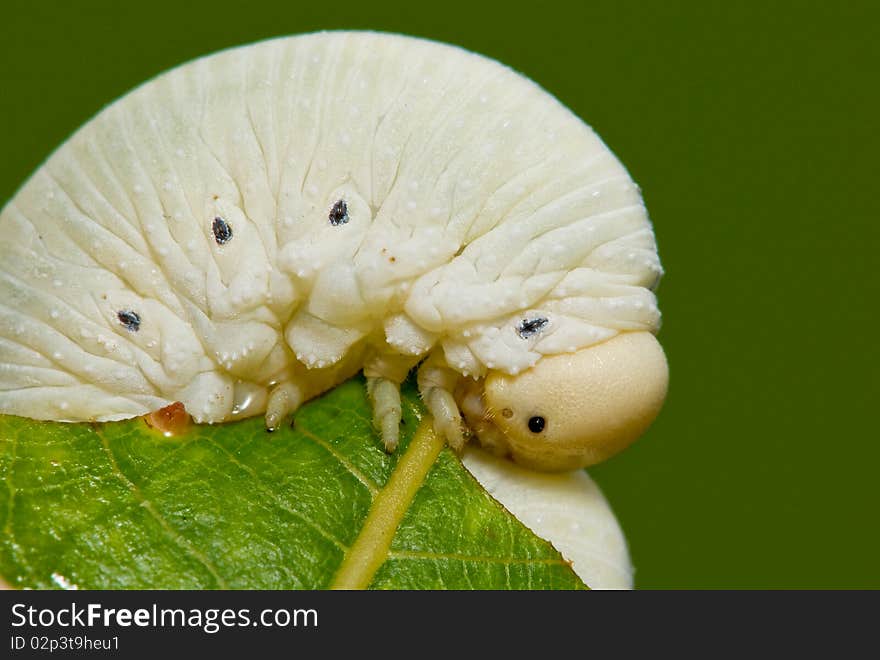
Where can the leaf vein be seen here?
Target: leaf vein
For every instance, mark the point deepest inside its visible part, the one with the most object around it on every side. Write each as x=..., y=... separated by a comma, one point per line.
x=166, y=527
x=356, y=473
x=278, y=501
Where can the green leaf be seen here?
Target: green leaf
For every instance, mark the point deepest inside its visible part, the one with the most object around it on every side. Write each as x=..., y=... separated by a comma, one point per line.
x=117, y=505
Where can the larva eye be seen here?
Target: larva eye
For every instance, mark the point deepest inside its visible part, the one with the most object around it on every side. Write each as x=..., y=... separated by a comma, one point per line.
x=536, y=424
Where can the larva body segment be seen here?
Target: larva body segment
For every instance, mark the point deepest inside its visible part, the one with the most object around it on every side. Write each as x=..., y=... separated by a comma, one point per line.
x=249, y=229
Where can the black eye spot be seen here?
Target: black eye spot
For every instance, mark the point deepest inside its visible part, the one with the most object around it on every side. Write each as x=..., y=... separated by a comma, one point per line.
x=529, y=327
x=536, y=424
x=222, y=231
x=131, y=320
x=339, y=213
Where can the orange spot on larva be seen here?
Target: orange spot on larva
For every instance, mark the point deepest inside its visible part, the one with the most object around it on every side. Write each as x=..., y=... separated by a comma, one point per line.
x=170, y=421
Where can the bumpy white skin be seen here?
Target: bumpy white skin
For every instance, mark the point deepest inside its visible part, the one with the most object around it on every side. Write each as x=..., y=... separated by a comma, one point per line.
x=473, y=201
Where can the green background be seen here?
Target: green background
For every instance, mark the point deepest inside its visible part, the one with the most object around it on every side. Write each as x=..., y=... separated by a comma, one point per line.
x=752, y=129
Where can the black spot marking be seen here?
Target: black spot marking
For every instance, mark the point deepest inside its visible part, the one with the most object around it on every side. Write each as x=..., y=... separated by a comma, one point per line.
x=129, y=319
x=529, y=327
x=536, y=424
x=339, y=213
x=222, y=231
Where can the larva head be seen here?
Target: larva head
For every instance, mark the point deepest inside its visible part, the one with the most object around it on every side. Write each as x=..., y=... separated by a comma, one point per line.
x=573, y=410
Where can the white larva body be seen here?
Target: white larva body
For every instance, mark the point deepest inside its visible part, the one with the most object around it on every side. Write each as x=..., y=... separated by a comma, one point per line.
x=298, y=209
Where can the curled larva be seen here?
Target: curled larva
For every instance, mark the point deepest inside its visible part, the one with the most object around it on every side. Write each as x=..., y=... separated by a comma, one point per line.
x=247, y=230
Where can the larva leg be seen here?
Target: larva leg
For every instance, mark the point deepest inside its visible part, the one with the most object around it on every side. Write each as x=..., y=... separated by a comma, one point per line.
x=436, y=385
x=384, y=374
x=284, y=398
x=385, y=395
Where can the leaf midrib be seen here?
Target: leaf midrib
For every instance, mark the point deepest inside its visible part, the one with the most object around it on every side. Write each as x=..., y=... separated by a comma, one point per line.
x=390, y=504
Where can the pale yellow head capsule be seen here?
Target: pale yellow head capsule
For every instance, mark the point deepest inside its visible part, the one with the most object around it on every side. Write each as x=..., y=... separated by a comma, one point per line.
x=574, y=410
